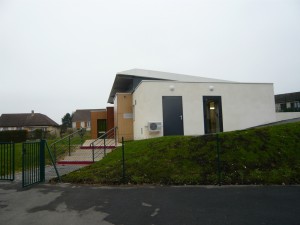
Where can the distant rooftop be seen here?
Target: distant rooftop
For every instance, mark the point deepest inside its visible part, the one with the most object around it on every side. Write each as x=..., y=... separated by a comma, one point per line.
x=287, y=97
x=25, y=120
x=128, y=80
x=83, y=114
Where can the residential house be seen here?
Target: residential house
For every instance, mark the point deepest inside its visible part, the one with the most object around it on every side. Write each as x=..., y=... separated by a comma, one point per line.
x=97, y=121
x=82, y=119
x=28, y=121
x=288, y=102
x=102, y=120
x=287, y=106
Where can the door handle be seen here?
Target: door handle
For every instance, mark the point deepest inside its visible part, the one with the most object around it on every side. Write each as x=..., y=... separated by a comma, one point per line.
x=180, y=117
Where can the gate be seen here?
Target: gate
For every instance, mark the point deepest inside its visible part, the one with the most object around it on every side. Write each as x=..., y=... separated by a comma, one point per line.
x=33, y=162
x=7, y=161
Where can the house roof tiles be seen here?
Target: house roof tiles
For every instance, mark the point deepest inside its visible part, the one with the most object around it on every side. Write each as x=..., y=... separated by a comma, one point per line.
x=83, y=114
x=26, y=119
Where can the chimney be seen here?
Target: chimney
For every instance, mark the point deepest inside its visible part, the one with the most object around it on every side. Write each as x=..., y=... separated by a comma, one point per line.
x=32, y=112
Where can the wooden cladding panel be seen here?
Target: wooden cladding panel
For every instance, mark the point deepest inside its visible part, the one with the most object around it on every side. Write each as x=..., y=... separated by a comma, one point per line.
x=110, y=117
x=94, y=117
x=123, y=116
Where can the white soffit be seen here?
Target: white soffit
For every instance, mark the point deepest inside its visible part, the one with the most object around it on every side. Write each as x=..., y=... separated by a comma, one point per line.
x=126, y=81
x=168, y=76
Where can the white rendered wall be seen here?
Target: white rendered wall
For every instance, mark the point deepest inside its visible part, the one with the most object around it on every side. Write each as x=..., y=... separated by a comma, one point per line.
x=287, y=115
x=243, y=105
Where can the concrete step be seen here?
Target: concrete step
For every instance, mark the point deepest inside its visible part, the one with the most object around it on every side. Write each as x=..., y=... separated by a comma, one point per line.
x=98, y=147
x=84, y=156
x=100, y=142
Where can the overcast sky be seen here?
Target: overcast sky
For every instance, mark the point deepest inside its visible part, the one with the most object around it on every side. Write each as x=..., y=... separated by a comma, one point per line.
x=57, y=56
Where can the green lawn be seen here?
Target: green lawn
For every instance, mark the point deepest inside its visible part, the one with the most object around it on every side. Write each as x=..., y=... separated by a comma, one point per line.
x=18, y=157
x=269, y=155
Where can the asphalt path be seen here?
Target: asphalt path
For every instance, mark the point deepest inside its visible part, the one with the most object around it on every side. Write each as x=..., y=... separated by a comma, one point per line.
x=64, y=204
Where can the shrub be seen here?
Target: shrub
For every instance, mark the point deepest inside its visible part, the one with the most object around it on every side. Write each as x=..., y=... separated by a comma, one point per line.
x=13, y=136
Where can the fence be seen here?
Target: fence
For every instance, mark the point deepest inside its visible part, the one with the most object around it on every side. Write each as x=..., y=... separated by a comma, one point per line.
x=69, y=154
x=66, y=145
x=33, y=162
x=104, y=144
x=7, y=161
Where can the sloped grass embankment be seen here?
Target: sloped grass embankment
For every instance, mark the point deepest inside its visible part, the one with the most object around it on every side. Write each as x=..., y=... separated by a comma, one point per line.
x=269, y=155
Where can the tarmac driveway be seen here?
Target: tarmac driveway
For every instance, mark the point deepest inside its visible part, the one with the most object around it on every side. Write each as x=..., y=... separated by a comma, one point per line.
x=142, y=205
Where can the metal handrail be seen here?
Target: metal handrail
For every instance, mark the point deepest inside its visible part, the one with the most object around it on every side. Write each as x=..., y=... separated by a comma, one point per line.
x=81, y=130
x=53, y=161
x=104, y=135
x=54, y=144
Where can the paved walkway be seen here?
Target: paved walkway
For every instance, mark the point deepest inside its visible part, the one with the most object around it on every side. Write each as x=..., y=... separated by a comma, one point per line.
x=81, y=155
x=100, y=142
x=50, y=172
x=71, y=163
x=85, y=153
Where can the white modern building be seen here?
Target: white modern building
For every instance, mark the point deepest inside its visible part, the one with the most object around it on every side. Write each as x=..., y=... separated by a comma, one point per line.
x=151, y=104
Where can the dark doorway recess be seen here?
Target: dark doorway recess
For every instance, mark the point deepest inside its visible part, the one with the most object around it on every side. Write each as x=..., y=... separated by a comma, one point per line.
x=101, y=126
x=213, y=119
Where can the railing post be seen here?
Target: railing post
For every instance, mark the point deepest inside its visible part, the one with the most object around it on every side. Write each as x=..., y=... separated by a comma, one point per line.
x=93, y=150
x=69, y=145
x=52, y=160
x=23, y=164
x=218, y=159
x=7, y=161
x=55, y=153
x=42, y=161
x=123, y=161
x=13, y=161
x=115, y=136
x=81, y=134
x=104, y=146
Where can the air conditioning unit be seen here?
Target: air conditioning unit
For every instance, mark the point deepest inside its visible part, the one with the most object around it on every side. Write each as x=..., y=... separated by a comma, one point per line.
x=154, y=126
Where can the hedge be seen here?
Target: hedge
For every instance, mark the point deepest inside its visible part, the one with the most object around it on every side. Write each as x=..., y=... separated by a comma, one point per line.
x=13, y=136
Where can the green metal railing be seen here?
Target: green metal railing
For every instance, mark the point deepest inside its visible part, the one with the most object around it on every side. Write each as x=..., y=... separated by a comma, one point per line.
x=33, y=162
x=53, y=162
x=67, y=144
x=105, y=141
x=7, y=161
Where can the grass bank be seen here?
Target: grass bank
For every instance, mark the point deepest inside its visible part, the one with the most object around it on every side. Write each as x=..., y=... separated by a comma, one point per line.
x=269, y=155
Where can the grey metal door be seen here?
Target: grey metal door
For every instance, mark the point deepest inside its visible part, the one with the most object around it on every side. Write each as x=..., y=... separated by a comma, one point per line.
x=172, y=115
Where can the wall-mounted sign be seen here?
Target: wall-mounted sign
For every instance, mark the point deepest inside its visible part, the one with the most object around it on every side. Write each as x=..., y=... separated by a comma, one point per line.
x=127, y=115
